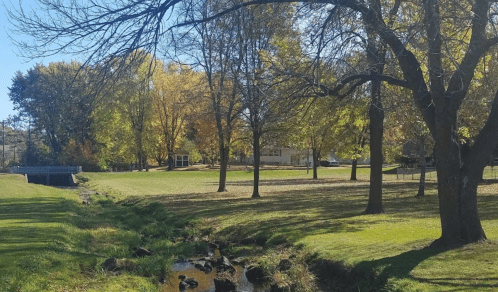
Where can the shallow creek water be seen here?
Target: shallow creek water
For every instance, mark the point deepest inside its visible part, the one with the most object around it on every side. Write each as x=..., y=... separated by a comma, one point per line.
x=206, y=280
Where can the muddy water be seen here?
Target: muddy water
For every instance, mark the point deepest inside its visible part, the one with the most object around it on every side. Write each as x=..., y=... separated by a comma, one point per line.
x=206, y=281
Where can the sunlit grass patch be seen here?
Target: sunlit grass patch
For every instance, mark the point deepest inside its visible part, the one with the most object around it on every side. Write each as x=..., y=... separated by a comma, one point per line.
x=51, y=242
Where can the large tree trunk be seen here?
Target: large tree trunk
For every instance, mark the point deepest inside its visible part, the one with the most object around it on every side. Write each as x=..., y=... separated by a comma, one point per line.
x=457, y=184
x=257, y=159
x=376, y=113
x=315, y=163
x=354, y=166
x=423, y=165
x=224, y=152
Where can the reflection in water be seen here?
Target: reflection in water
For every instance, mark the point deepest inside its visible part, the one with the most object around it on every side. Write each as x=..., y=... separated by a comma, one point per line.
x=206, y=281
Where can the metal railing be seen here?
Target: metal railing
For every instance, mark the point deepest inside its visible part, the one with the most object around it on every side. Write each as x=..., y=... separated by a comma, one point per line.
x=45, y=169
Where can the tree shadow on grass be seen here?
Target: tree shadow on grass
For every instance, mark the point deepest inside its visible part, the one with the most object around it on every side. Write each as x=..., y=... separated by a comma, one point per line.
x=320, y=209
x=400, y=267
x=44, y=235
x=299, y=213
x=290, y=182
x=41, y=209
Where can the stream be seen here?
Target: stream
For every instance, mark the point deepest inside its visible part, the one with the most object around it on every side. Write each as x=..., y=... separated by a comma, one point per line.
x=205, y=279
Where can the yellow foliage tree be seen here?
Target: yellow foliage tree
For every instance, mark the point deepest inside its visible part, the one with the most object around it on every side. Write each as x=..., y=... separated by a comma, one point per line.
x=176, y=89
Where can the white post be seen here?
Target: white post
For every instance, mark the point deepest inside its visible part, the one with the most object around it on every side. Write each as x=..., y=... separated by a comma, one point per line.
x=308, y=162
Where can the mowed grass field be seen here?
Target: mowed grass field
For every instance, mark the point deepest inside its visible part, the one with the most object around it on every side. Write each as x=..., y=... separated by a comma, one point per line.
x=50, y=240
x=326, y=215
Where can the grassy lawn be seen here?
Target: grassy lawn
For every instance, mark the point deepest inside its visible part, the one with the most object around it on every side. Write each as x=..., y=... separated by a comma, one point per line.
x=51, y=242
x=325, y=215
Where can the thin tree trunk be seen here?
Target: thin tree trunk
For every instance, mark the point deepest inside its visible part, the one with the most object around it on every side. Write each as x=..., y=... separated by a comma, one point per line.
x=376, y=114
x=224, y=151
x=171, y=160
x=423, y=164
x=376, y=59
x=315, y=163
x=140, y=161
x=257, y=159
x=354, y=166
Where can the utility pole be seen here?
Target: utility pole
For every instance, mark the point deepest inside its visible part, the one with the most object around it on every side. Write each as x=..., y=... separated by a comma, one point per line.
x=3, y=144
x=28, y=146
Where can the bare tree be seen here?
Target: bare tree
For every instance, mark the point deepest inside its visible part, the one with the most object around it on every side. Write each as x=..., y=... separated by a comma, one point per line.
x=216, y=51
x=257, y=87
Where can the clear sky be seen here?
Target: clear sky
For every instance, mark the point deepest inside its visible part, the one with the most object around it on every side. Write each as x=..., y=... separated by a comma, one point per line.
x=10, y=62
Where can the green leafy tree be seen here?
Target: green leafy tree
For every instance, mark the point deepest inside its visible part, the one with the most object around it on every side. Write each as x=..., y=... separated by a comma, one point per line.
x=112, y=131
x=58, y=101
x=133, y=97
x=351, y=133
x=176, y=89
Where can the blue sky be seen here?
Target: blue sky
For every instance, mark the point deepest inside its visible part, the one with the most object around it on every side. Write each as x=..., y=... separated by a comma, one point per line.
x=10, y=62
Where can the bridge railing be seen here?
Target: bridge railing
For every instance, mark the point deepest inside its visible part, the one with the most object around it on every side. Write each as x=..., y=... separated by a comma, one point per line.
x=45, y=169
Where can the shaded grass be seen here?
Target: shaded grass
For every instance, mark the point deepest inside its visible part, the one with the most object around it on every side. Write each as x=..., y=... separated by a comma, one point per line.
x=326, y=215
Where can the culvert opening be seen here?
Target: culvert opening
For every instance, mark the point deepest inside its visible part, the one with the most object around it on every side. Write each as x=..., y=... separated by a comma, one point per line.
x=61, y=180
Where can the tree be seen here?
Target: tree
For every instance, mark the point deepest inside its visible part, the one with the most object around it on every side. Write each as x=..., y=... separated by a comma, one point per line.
x=405, y=125
x=459, y=167
x=440, y=80
x=351, y=132
x=15, y=135
x=219, y=56
x=114, y=136
x=175, y=91
x=156, y=144
x=258, y=90
x=58, y=102
x=132, y=96
x=206, y=138
x=313, y=121
x=311, y=118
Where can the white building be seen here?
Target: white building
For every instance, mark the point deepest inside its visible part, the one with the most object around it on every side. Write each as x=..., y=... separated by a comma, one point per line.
x=284, y=156
x=288, y=156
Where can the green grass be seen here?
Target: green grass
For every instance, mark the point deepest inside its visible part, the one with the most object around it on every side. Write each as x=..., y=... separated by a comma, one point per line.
x=326, y=216
x=51, y=242
x=123, y=185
